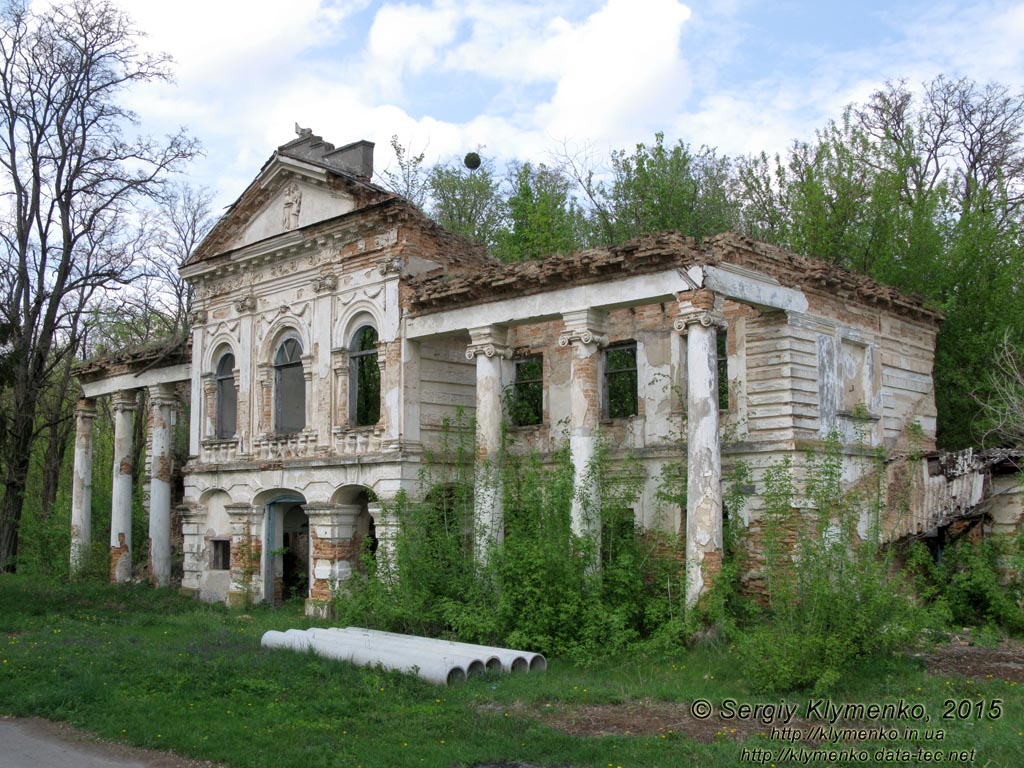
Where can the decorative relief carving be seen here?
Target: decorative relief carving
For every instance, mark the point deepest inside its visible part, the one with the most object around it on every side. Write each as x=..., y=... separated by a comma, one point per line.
x=222, y=327
x=291, y=207
x=325, y=282
x=210, y=288
x=388, y=238
x=282, y=268
x=392, y=266
x=246, y=304
x=197, y=317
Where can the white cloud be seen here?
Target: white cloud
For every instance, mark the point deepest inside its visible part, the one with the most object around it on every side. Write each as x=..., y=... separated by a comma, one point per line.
x=621, y=71
x=406, y=38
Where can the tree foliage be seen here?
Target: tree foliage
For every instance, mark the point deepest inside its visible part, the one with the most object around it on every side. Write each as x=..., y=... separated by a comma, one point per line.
x=70, y=182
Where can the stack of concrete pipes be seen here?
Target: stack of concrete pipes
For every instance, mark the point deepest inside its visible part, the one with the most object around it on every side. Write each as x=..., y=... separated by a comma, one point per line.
x=438, y=661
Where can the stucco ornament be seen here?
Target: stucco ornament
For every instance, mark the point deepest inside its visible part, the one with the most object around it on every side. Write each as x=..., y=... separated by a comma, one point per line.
x=291, y=207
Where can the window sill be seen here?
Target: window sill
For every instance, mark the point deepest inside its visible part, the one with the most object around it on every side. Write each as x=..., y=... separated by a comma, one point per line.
x=211, y=442
x=618, y=419
x=521, y=428
x=859, y=415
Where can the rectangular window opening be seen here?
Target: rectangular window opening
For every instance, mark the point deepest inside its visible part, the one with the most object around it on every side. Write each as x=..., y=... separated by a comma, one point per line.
x=722, y=357
x=620, y=381
x=220, y=558
x=527, y=406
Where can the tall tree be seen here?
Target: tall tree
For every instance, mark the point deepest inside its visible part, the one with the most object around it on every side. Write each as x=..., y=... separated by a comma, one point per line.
x=70, y=181
x=661, y=187
x=922, y=191
x=543, y=217
x=467, y=202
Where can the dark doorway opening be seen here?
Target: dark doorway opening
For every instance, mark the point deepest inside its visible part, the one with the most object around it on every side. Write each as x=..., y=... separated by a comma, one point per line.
x=295, y=576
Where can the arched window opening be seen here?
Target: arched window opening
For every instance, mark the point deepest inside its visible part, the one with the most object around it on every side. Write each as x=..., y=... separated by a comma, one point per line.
x=290, y=388
x=227, y=397
x=364, y=378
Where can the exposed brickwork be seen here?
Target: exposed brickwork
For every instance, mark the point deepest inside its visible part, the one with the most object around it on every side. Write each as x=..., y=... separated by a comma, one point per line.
x=653, y=253
x=332, y=550
x=116, y=553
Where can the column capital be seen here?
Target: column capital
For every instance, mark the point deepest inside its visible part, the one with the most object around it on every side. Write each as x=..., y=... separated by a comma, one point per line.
x=489, y=340
x=85, y=409
x=240, y=511
x=161, y=395
x=585, y=326
x=124, y=400
x=706, y=318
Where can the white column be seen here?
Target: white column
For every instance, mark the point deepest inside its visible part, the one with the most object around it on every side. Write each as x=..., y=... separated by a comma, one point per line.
x=489, y=346
x=121, y=493
x=162, y=401
x=584, y=332
x=81, y=484
x=703, y=452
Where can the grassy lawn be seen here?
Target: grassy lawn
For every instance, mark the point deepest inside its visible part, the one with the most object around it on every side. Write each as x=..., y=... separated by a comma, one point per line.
x=152, y=669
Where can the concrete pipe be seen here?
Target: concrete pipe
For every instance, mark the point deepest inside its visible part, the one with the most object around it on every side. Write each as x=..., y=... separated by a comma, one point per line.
x=431, y=668
x=475, y=663
x=293, y=639
x=511, y=660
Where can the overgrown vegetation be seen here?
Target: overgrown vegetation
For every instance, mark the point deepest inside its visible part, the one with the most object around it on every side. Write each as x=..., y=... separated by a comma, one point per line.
x=150, y=668
x=973, y=582
x=582, y=594
x=833, y=598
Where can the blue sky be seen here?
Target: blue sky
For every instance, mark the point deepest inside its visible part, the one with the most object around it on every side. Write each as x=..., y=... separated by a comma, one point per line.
x=527, y=79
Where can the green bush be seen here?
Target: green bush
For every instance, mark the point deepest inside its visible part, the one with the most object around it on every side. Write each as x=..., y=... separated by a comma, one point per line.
x=542, y=587
x=965, y=586
x=833, y=601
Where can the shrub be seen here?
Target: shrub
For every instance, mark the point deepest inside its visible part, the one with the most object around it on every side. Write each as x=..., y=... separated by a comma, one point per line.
x=833, y=602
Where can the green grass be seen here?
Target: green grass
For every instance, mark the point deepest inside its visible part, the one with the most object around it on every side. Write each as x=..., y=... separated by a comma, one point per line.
x=155, y=670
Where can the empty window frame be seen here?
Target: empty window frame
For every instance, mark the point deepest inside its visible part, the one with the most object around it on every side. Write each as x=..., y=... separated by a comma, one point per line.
x=290, y=388
x=620, y=381
x=527, y=406
x=220, y=555
x=722, y=358
x=364, y=378
x=227, y=397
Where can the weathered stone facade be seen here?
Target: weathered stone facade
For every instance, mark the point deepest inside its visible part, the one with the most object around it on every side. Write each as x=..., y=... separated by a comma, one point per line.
x=337, y=328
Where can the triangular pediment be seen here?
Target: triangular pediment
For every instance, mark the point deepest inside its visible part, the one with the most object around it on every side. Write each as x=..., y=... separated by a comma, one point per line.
x=293, y=204
x=305, y=181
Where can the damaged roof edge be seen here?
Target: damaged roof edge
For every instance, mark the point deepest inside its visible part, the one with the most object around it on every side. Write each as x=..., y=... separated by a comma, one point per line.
x=436, y=292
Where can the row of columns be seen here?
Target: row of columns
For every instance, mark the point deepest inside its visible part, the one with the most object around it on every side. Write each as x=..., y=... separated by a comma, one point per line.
x=584, y=332
x=163, y=404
